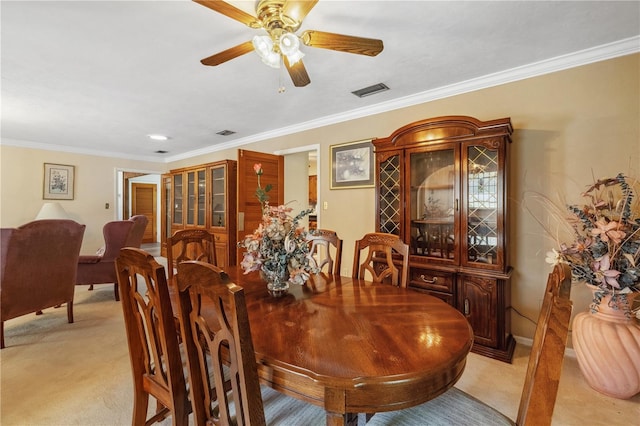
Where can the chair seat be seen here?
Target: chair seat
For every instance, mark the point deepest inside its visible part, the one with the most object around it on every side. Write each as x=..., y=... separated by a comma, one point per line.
x=454, y=407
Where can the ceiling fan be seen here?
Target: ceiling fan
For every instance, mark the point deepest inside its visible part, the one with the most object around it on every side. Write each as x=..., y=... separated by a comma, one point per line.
x=281, y=19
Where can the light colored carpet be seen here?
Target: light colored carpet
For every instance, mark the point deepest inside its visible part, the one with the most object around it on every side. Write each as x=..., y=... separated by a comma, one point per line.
x=55, y=373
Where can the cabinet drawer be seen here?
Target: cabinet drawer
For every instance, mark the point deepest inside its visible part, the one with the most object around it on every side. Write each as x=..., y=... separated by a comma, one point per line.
x=431, y=280
x=220, y=238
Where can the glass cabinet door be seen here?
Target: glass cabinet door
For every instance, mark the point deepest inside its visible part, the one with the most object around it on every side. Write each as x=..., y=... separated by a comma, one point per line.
x=191, y=198
x=166, y=195
x=432, y=203
x=390, y=195
x=218, y=197
x=177, y=200
x=202, y=191
x=483, y=236
x=196, y=197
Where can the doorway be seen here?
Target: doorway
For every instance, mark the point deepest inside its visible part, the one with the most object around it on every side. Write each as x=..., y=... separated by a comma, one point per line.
x=302, y=179
x=144, y=199
x=125, y=179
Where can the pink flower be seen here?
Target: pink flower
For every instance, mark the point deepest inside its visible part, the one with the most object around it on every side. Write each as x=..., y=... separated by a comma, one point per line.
x=608, y=230
x=299, y=276
x=250, y=263
x=604, y=274
x=257, y=168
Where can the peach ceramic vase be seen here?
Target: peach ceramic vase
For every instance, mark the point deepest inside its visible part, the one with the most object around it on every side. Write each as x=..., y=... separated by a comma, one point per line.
x=607, y=345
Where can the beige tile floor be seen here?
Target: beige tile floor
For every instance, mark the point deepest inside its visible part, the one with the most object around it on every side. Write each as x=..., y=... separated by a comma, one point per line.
x=500, y=385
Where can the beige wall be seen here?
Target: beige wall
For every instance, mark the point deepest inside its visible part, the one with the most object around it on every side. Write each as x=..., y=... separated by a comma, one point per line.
x=21, y=181
x=569, y=126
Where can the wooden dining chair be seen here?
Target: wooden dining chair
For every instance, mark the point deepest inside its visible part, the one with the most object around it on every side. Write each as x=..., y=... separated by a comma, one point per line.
x=379, y=262
x=321, y=243
x=190, y=244
x=224, y=349
x=538, y=398
x=156, y=364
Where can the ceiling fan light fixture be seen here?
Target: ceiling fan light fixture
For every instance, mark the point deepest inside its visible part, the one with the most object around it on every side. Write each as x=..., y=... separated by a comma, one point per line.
x=263, y=45
x=295, y=57
x=290, y=47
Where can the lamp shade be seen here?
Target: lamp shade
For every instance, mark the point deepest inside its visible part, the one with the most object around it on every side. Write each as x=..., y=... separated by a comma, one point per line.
x=52, y=211
x=290, y=47
x=263, y=45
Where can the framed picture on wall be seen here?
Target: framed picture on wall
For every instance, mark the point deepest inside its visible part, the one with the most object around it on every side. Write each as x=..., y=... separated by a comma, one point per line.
x=58, y=182
x=352, y=165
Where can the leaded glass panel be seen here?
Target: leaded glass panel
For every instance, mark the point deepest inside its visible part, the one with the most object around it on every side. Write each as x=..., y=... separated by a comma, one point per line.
x=482, y=204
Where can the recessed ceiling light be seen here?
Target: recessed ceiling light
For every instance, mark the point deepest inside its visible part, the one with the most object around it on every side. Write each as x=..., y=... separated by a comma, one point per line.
x=160, y=151
x=225, y=132
x=158, y=137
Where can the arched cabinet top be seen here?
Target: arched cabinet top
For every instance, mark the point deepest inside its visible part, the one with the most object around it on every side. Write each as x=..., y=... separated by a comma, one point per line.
x=444, y=129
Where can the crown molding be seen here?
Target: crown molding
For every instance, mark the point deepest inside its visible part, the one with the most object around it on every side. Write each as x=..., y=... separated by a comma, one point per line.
x=583, y=57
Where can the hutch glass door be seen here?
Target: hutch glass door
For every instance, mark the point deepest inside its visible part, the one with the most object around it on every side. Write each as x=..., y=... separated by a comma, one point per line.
x=218, y=196
x=481, y=210
x=390, y=195
x=177, y=200
x=432, y=203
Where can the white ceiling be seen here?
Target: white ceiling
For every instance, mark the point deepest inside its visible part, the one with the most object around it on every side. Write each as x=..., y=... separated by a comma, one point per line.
x=98, y=76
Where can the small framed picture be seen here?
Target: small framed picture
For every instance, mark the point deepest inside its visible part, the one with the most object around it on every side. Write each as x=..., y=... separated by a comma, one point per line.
x=58, y=182
x=352, y=165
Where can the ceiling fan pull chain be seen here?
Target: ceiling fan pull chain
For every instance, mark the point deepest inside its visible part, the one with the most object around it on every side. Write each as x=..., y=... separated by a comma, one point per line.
x=281, y=88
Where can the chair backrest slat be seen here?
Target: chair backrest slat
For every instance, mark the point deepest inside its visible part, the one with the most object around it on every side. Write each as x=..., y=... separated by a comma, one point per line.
x=547, y=352
x=226, y=339
x=320, y=241
x=152, y=335
x=381, y=246
x=190, y=244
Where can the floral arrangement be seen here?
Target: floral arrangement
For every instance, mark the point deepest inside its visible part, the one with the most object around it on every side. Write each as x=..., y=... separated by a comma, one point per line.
x=279, y=247
x=605, y=251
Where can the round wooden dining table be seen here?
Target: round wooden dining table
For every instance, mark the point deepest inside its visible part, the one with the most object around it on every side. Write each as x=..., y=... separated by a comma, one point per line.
x=353, y=346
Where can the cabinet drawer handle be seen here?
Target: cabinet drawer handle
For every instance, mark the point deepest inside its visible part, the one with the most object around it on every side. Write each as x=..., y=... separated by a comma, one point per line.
x=466, y=306
x=431, y=281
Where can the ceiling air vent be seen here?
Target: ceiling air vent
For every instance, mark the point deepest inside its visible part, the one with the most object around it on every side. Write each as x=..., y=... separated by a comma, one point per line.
x=225, y=132
x=371, y=90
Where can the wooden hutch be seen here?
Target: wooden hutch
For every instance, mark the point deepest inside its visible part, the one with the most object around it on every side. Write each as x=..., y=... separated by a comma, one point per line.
x=441, y=185
x=202, y=196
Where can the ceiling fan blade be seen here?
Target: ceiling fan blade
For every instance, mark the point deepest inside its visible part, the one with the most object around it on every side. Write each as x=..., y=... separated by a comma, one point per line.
x=342, y=43
x=228, y=54
x=298, y=9
x=231, y=11
x=297, y=72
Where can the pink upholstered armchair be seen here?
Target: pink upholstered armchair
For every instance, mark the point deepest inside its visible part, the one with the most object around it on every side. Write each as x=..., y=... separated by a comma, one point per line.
x=100, y=268
x=39, y=263
x=136, y=235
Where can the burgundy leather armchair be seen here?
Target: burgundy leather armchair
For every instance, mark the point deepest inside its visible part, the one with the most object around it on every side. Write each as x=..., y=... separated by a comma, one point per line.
x=100, y=268
x=136, y=235
x=39, y=264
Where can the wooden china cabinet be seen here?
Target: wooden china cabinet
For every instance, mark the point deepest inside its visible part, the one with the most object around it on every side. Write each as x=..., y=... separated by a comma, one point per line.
x=203, y=196
x=441, y=185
